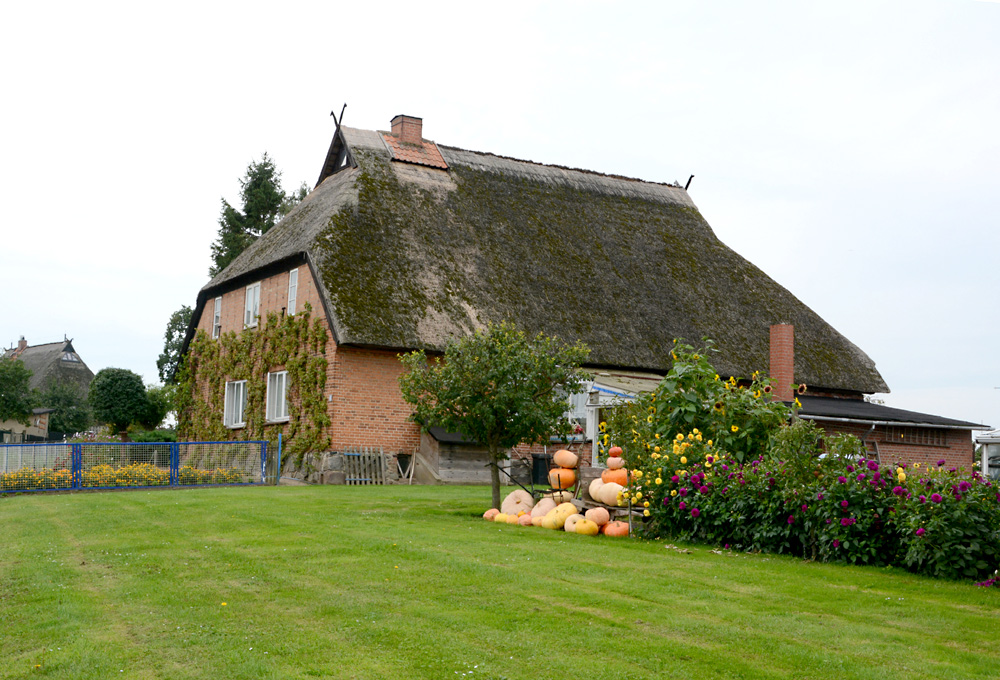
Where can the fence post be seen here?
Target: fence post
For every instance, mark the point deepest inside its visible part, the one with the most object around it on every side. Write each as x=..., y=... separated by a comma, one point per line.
x=76, y=465
x=263, y=462
x=175, y=462
x=277, y=475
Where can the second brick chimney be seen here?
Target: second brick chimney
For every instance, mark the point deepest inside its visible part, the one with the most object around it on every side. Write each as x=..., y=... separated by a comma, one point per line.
x=782, y=364
x=409, y=129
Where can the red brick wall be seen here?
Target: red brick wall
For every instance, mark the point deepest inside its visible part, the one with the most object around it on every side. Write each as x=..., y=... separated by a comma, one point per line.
x=959, y=451
x=781, y=367
x=273, y=297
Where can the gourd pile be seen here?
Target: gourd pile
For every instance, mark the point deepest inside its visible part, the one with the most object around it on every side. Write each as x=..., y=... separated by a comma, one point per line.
x=554, y=510
x=609, y=488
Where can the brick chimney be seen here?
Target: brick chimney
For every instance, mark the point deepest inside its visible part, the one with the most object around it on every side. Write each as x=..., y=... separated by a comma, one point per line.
x=782, y=364
x=409, y=129
x=22, y=345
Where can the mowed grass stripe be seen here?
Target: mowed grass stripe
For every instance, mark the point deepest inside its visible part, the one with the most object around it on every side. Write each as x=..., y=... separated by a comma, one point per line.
x=362, y=582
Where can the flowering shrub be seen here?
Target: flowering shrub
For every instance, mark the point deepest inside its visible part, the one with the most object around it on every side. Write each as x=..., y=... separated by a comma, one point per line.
x=784, y=488
x=134, y=475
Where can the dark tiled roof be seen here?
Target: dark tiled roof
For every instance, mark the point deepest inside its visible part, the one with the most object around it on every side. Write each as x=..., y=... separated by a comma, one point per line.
x=857, y=409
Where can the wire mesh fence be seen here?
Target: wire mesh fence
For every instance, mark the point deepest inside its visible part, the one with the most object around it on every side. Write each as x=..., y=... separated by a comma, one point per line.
x=115, y=465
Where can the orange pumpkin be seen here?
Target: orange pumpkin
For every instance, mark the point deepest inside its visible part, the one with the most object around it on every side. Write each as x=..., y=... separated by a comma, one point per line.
x=565, y=459
x=619, y=476
x=561, y=478
x=490, y=514
x=524, y=520
x=615, y=451
x=615, y=528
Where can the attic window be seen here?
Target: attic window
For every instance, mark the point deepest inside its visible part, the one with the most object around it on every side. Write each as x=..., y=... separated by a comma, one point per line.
x=71, y=356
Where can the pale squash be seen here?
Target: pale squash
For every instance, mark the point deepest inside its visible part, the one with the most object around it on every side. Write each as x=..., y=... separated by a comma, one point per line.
x=511, y=519
x=516, y=501
x=619, y=476
x=610, y=492
x=565, y=459
x=500, y=518
x=595, y=489
x=570, y=523
x=560, y=496
x=542, y=507
x=586, y=527
x=599, y=516
x=524, y=520
x=615, y=463
x=562, y=478
x=490, y=514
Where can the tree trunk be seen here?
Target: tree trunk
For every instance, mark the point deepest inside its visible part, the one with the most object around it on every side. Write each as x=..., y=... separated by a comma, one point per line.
x=495, y=474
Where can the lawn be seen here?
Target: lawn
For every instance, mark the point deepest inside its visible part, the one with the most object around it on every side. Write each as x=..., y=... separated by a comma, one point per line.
x=410, y=582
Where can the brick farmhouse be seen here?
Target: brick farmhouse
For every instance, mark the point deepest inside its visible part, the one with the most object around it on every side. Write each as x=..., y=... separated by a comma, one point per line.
x=405, y=244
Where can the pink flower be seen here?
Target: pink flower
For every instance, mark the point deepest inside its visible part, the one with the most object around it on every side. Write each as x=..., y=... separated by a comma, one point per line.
x=920, y=531
x=844, y=504
x=682, y=505
x=842, y=479
x=791, y=519
x=695, y=512
x=936, y=497
x=836, y=543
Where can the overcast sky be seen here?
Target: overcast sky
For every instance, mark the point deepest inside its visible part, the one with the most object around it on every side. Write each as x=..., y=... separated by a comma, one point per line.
x=851, y=150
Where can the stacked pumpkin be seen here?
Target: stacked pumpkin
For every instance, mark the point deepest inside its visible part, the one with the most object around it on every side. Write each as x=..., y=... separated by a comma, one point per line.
x=563, y=476
x=553, y=513
x=609, y=487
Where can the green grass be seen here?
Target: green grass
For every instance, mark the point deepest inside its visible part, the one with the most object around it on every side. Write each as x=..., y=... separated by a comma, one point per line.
x=410, y=582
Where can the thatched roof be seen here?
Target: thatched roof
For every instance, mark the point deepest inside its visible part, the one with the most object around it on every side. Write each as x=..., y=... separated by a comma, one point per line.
x=53, y=362
x=410, y=256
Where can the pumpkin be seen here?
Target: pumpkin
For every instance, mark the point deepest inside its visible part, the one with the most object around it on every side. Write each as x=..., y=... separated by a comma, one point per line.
x=567, y=509
x=524, y=520
x=490, y=514
x=599, y=516
x=619, y=476
x=615, y=528
x=609, y=493
x=561, y=478
x=587, y=527
x=615, y=451
x=542, y=507
x=595, y=489
x=553, y=520
x=511, y=519
x=560, y=496
x=565, y=459
x=537, y=520
x=570, y=523
x=615, y=463
x=500, y=518
x=517, y=501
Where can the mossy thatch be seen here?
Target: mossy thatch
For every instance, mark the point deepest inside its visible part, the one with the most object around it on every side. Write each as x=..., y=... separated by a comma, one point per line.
x=409, y=257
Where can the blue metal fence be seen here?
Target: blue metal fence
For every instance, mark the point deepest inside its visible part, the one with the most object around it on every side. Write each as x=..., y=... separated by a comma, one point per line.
x=117, y=465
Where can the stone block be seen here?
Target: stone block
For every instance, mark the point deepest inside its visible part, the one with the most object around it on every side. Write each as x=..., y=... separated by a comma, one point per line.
x=334, y=477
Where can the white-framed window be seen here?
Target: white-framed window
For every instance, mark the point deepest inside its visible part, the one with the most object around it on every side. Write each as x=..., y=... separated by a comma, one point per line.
x=252, y=306
x=293, y=289
x=236, y=403
x=277, y=396
x=217, y=318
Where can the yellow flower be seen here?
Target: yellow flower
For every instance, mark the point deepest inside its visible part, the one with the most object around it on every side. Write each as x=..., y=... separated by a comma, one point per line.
x=637, y=473
x=708, y=465
x=638, y=494
x=657, y=436
x=603, y=426
x=645, y=513
x=901, y=477
x=709, y=442
x=656, y=448
x=916, y=465
x=684, y=460
x=645, y=504
x=649, y=419
x=734, y=428
x=679, y=437
x=659, y=480
x=673, y=492
x=695, y=430
x=223, y=604
x=698, y=436
x=798, y=404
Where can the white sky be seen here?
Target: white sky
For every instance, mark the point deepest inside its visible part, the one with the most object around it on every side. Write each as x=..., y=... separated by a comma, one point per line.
x=849, y=149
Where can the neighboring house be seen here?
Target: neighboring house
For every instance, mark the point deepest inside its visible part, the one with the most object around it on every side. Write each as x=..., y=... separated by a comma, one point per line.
x=405, y=244
x=52, y=362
